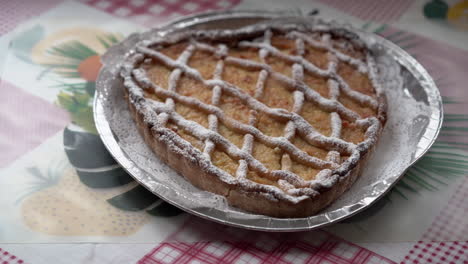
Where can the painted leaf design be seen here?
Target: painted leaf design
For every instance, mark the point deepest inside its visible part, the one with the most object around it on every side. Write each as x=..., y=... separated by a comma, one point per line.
x=104, y=177
x=85, y=150
x=164, y=209
x=136, y=199
x=93, y=163
x=41, y=180
x=97, y=169
x=77, y=105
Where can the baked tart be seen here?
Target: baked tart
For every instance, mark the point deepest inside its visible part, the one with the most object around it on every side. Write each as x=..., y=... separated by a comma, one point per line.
x=279, y=119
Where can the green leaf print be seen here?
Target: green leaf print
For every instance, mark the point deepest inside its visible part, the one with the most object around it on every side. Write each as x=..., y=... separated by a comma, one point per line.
x=136, y=199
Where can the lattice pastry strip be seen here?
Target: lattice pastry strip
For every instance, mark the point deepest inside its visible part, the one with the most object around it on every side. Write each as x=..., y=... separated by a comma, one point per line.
x=302, y=126
x=294, y=187
x=217, y=91
x=180, y=65
x=290, y=130
x=248, y=138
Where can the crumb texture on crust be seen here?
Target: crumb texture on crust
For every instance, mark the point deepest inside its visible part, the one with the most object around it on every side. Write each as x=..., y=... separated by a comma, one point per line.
x=284, y=113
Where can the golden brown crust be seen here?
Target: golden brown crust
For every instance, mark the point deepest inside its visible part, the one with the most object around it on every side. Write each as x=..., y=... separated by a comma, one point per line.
x=253, y=202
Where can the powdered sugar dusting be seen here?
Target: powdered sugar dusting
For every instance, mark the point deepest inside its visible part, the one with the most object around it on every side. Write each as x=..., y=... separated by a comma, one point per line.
x=260, y=86
x=293, y=187
x=290, y=129
x=216, y=95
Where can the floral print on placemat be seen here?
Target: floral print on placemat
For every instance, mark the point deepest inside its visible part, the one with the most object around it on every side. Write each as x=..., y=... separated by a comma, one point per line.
x=71, y=58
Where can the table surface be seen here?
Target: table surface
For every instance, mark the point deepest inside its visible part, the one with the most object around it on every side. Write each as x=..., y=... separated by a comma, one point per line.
x=65, y=200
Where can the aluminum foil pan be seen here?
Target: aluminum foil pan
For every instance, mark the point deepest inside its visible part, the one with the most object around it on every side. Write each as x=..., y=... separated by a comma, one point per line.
x=414, y=120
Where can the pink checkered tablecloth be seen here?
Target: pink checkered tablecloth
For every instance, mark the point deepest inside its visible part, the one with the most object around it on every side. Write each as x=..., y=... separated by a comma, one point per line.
x=449, y=226
x=8, y=258
x=150, y=12
x=194, y=240
x=241, y=246
x=15, y=12
x=330, y=251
